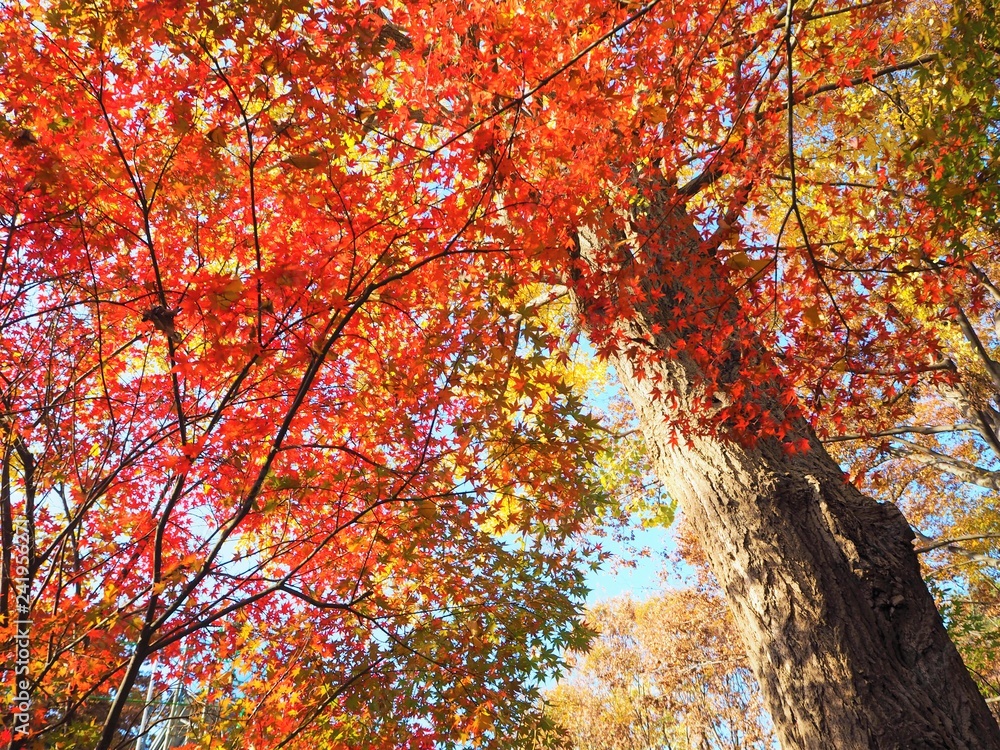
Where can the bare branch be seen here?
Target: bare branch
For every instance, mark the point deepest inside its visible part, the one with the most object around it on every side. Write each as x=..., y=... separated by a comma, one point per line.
x=939, y=543
x=964, y=470
x=902, y=430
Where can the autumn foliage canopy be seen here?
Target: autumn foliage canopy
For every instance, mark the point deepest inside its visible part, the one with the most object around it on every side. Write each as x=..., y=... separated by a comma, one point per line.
x=285, y=351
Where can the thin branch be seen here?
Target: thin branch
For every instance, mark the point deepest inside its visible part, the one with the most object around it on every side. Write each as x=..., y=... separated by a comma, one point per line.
x=903, y=430
x=964, y=470
x=546, y=80
x=991, y=365
x=938, y=543
x=865, y=78
x=985, y=281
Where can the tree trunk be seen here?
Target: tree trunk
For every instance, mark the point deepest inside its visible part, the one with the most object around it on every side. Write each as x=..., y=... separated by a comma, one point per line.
x=823, y=582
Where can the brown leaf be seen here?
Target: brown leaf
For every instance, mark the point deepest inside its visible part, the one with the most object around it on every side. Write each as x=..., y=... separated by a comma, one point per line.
x=304, y=161
x=217, y=136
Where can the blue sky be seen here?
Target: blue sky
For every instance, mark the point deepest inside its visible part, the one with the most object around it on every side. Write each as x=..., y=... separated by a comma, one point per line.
x=640, y=581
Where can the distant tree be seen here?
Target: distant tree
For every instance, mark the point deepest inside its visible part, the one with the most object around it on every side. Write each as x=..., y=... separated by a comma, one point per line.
x=666, y=673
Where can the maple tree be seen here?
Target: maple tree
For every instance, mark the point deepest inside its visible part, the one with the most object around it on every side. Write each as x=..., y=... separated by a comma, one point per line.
x=277, y=386
x=258, y=438
x=816, y=572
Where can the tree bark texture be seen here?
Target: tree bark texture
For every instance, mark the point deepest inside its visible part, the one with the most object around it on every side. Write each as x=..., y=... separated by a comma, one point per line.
x=823, y=581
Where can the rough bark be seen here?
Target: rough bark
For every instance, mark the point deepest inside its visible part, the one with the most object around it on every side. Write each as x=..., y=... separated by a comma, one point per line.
x=824, y=583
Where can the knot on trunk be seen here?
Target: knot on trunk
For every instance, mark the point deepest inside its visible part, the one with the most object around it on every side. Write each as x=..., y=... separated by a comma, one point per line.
x=162, y=319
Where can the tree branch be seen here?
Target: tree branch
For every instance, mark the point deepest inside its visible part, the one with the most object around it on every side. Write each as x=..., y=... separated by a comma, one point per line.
x=932, y=544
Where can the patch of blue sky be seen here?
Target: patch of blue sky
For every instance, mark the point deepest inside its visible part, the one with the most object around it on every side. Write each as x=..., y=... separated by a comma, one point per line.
x=638, y=567
x=641, y=560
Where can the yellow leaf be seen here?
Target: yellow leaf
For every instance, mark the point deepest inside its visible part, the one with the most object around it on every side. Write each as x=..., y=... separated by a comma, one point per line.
x=657, y=115
x=738, y=260
x=231, y=292
x=427, y=509
x=811, y=316
x=741, y=260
